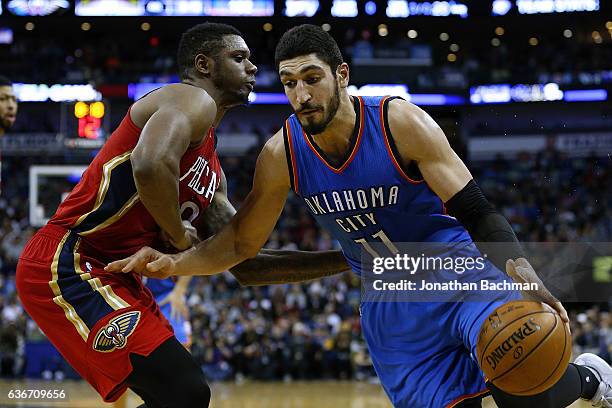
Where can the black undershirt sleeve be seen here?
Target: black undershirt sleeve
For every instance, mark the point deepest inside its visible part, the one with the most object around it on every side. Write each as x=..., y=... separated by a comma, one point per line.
x=485, y=225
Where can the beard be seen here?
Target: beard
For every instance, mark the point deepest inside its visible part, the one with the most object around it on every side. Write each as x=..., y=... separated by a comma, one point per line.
x=315, y=128
x=5, y=125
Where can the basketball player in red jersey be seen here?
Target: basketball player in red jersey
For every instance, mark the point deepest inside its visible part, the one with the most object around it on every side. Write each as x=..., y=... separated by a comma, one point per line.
x=8, y=110
x=8, y=105
x=158, y=168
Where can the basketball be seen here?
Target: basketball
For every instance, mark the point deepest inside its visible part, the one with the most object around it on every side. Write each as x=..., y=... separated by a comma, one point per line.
x=524, y=347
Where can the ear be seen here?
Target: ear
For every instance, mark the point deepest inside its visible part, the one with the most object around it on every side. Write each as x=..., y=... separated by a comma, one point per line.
x=342, y=73
x=203, y=65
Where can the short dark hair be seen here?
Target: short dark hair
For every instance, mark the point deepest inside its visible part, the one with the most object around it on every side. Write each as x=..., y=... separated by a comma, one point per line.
x=4, y=81
x=205, y=38
x=308, y=39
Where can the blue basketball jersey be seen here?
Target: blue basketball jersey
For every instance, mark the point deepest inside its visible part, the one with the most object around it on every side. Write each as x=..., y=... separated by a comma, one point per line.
x=160, y=288
x=368, y=197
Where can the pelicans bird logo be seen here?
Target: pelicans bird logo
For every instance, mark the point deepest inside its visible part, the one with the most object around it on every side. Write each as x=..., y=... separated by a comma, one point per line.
x=115, y=334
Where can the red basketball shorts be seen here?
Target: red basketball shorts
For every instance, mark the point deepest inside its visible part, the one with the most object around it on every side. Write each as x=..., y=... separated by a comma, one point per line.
x=94, y=318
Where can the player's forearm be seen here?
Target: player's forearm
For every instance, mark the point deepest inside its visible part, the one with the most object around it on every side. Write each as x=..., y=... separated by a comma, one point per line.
x=182, y=283
x=215, y=255
x=277, y=267
x=157, y=186
x=490, y=230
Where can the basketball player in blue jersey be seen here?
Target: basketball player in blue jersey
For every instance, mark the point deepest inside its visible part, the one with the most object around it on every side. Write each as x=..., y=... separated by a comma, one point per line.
x=381, y=170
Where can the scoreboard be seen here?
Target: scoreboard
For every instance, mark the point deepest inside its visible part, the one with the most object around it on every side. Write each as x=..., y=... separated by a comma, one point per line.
x=85, y=124
x=89, y=116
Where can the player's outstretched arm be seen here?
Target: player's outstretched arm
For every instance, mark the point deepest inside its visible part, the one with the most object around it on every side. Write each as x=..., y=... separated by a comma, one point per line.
x=419, y=138
x=173, y=117
x=271, y=266
x=243, y=237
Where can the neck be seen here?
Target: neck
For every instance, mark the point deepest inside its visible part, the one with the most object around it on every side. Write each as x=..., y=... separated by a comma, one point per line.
x=214, y=92
x=336, y=137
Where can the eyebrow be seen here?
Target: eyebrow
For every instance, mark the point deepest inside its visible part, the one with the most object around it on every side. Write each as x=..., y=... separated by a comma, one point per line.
x=285, y=72
x=244, y=51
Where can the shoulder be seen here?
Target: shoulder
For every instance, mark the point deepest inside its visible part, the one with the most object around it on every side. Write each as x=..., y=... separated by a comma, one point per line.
x=409, y=116
x=275, y=146
x=414, y=132
x=191, y=102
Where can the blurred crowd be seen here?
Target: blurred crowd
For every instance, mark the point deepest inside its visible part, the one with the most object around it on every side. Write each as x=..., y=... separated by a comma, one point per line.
x=576, y=53
x=312, y=330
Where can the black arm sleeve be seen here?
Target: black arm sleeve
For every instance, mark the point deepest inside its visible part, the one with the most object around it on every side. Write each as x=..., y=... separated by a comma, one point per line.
x=485, y=225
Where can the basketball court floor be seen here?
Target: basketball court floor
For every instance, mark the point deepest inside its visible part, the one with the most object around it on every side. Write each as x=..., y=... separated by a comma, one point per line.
x=316, y=394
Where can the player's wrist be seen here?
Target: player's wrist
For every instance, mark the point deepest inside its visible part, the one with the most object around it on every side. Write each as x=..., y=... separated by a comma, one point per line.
x=180, y=289
x=179, y=264
x=183, y=241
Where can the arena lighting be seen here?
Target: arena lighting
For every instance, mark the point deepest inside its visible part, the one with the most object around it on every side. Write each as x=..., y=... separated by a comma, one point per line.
x=402, y=91
x=419, y=99
x=436, y=99
x=267, y=98
x=155, y=7
x=506, y=93
x=555, y=6
x=301, y=8
x=36, y=7
x=109, y=8
x=55, y=93
x=501, y=7
x=174, y=8
x=6, y=35
x=370, y=8
x=404, y=8
x=379, y=89
x=585, y=95
x=344, y=8
x=136, y=91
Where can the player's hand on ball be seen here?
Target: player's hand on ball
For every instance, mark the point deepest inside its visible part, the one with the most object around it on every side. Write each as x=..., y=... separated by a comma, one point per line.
x=521, y=271
x=147, y=261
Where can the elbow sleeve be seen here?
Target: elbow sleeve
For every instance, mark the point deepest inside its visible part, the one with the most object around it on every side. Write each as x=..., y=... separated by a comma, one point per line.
x=484, y=224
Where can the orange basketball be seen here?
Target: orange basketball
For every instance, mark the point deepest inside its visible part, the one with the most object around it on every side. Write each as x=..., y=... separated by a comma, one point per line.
x=524, y=347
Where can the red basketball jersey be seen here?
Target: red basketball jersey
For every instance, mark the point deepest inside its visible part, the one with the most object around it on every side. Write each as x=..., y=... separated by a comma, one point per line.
x=104, y=207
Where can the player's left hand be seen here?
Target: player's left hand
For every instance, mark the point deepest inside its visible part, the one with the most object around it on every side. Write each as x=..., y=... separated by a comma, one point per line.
x=148, y=262
x=178, y=303
x=521, y=271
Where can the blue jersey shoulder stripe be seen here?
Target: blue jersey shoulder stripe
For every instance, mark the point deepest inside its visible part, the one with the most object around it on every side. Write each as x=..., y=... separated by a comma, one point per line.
x=390, y=143
x=290, y=152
